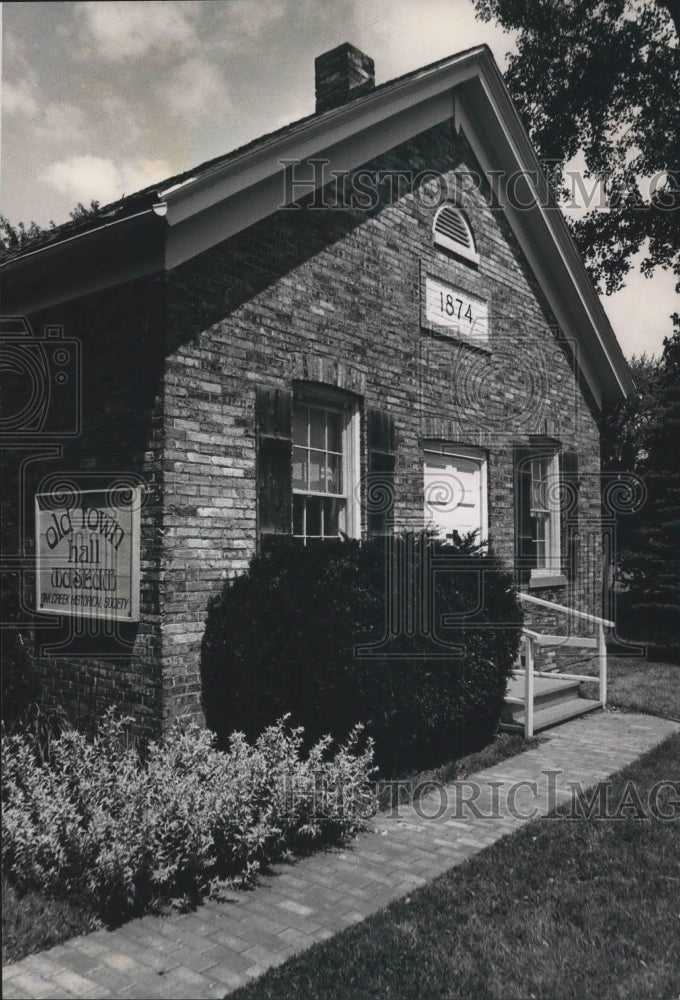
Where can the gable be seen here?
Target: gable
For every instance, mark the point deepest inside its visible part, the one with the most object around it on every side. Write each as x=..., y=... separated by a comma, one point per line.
x=192, y=214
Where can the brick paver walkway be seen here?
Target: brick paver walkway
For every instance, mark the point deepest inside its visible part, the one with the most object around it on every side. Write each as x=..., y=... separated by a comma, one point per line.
x=224, y=944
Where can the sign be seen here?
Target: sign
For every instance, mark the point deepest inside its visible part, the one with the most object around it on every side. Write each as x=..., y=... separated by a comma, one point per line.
x=454, y=312
x=87, y=553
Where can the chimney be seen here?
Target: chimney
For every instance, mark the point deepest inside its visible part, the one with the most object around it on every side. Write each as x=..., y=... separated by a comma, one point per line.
x=341, y=75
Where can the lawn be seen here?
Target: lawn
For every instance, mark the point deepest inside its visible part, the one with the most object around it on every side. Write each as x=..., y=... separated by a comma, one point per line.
x=31, y=922
x=639, y=685
x=565, y=908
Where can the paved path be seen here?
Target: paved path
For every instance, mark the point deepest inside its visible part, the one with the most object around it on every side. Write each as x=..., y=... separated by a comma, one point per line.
x=227, y=943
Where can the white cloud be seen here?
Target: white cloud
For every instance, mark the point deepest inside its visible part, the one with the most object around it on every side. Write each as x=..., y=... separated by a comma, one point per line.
x=420, y=33
x=129, y=29
x=249, y=18
x=195, y=88
x=82, y=178
x=19, y=99
x=61, y=124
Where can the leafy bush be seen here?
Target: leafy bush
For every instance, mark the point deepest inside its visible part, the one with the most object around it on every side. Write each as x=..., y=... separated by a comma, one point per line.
x=282, y=638
x=129, y=833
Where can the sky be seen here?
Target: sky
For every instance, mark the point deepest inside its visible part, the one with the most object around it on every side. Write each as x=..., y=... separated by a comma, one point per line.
x=100, y=99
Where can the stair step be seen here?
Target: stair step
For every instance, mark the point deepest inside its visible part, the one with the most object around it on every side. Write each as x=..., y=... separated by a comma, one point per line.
x=547, y=691
x=552, y=715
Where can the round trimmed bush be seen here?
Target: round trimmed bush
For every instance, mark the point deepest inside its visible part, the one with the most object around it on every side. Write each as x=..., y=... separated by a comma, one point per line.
x=413, y=637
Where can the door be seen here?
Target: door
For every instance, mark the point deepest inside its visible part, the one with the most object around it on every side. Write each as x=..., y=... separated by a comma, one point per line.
x=455, y=493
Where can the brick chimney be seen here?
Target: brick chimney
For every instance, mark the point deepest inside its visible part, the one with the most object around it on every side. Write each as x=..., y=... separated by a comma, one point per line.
x=341, y=75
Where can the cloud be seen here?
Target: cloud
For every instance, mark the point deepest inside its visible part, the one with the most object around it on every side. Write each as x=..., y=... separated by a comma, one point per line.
x=197, y=87
x=61, y=124
x=244, y=19
x=83, y=178
x=124, y=30
x=19, y=99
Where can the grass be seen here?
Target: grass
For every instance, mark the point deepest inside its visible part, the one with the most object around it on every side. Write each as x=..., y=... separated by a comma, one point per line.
x=638, y=685
x=565, y=909
x=32, y=922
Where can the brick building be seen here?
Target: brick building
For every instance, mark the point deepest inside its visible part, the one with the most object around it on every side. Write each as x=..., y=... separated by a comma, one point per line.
x=371, y=318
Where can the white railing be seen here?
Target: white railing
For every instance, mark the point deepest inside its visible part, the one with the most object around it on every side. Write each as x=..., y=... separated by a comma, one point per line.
x=533, y=640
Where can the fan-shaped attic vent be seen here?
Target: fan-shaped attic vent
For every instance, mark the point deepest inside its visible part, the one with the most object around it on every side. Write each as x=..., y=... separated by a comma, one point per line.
x=452, y=231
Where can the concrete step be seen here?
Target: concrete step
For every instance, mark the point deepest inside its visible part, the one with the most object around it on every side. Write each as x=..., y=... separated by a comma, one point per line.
x=552, y=715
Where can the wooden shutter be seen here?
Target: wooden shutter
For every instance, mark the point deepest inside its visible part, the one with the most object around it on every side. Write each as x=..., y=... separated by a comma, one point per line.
x=273, y=416
x=381, y=445
x=525, y=554
x=569, y=514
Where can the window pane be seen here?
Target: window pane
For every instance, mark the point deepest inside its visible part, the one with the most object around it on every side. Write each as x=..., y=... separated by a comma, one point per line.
x=317, y=428
x=540, y=530
x=299, y=468
x=334, y=518
x=539, y=483
x=314, y=516
x=298, y=514
x=334, y=431
x=300, y=424
x=334, y=478
x=316, y=470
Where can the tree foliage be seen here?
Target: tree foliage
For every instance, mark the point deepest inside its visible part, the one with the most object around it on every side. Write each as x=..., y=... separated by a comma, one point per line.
x=602, y=78
x=650, y=558
x=21, y=236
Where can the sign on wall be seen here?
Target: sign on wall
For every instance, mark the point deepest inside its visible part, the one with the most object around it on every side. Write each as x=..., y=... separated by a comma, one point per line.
x=449, y=310
x=87, y=553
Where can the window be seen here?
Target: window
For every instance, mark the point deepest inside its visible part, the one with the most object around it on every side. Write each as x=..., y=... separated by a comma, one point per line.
x=538, y=491
x=455, y=489
x=319, y=502
x=325, y=474
x=452, y=231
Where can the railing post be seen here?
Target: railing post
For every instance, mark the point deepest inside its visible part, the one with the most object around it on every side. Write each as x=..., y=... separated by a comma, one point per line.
x=529, y=687
x=602, y=657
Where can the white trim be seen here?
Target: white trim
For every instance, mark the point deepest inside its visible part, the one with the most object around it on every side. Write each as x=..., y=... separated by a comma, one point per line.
x=553, y=555
x=331, y=398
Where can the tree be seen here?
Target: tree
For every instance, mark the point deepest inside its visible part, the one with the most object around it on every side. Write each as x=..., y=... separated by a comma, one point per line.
x=650, y=561
x=600, y=78
x=19, y=237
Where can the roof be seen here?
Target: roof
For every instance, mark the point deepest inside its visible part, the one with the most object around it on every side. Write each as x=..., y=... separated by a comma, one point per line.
x=164, y=224
x=131, y=204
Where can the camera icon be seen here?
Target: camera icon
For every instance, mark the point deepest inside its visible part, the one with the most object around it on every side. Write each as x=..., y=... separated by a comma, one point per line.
x=41, y=376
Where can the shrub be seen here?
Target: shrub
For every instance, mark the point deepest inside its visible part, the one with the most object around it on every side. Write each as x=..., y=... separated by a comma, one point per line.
x=282, y=638
x=131, y=832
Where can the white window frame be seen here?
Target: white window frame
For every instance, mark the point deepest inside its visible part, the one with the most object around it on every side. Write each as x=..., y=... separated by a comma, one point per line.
x=445, y=449
x=553, y=554
x=334, y=400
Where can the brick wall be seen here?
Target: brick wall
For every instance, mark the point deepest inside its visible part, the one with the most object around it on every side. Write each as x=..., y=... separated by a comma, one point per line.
x=334, y=296
x=120, y=439
x=171, y=366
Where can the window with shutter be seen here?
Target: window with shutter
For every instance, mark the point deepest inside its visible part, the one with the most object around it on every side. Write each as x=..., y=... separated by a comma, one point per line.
x=307, y=463
x=273, y=413
x=381, y=442
x=325, y=469
x=569, y=473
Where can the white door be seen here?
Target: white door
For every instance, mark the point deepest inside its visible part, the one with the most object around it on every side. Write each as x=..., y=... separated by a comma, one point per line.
x=455, y=494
